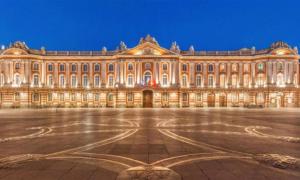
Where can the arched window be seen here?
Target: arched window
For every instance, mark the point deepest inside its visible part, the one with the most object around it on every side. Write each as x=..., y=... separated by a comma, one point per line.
x=110, y=67
x=130, y=67
x=147, y=78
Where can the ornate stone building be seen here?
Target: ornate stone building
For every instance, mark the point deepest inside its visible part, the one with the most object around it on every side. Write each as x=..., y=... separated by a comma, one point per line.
x=149, y=76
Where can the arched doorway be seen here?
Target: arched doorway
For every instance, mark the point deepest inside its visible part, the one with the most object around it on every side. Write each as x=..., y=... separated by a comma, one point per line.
x=147, y=98
x=222, y=100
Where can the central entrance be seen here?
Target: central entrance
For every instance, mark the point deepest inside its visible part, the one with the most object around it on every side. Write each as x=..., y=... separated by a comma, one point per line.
x=147, y=98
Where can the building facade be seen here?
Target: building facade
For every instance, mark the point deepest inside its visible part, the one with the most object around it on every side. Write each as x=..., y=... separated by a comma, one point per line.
x=149, y=75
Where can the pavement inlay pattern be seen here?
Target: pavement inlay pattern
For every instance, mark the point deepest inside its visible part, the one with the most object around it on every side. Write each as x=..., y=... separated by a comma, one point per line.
x=149, y=144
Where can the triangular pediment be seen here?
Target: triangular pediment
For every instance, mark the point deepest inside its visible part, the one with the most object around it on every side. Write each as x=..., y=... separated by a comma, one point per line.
x=147, y=48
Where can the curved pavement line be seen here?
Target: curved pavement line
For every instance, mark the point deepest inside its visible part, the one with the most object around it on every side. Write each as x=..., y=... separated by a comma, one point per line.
x=96, y=144
x=165, y=161
x=206, y=159
x=112, y=157
x=95, y=162
x=41, y=132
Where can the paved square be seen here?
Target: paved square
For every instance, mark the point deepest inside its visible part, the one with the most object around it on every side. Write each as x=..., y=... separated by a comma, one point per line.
x=149, y=144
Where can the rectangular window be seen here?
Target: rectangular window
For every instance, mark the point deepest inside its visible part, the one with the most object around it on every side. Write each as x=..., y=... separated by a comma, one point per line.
x=35, y=80
x=184, y=97
x=210, y=68
x=85, y=68
x=36, y=66
x=165, y=80
x=36, y=97
x=198, y=81
x=73, y=67
x=184, y=83
x=50, y=67
x=198, y=68
x=73, y=97
x=85, y=81
x=165, y=96
x=97, y=97
x=84, y=97
x=61, y=96
x=73, y=81
x=130, y=97
x=49, y=96
x=61, y=67
x=50, y=80
x=210, y=81
x=97, y=68
x=110, y=81
x=130, y=80
x=97, y=81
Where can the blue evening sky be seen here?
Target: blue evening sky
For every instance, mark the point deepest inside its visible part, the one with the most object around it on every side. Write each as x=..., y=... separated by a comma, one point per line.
x=206, y=24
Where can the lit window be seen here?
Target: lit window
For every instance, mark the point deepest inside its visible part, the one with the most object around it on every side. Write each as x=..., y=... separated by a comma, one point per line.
x=260, y=66
x=210, y=68
x=246, y=80
x=36, y=97
x=73, y=97
x=165, y=96
x=17, y=96
x=260, y=80
x=110, y=67
x=110, y=97
x=84, y=97
x=184, y=96
x=97, y=68
x=279, y=80
x=61, y=96
x=234, y=80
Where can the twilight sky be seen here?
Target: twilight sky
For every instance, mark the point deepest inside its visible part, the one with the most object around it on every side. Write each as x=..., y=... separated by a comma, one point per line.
x=206, y=24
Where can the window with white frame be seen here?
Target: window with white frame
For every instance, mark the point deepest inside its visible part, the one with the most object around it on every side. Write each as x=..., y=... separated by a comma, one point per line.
x=85, y=68
x=50, y=80
x=73, y=68
x=198, y=81
x=61, y=80
x=85, y=81
x=198, y=68
x=73, y=81
x=61, y=67
x=97, y=81
x=110, y=81
x=184, y=81
x=110, y=67
x=50, y=67
x=210, y=81
x=35, y=80
x=130, y=80
x=97, y=68
x=165, y=80
x=210, y=68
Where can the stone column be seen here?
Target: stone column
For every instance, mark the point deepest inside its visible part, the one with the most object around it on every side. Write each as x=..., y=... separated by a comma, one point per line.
x=229, y=74
x=285, y=72
x=205, y=75
x=269, y=73
x=274, y=73
x=103, y=74
x=122, y=72
x=91, y=77
x=192, y=74
x=241, y=77
x=79, y=74
x=67, y=74
x=43, y=73
x=55, y=78
x=252, y=74
x=217, y=73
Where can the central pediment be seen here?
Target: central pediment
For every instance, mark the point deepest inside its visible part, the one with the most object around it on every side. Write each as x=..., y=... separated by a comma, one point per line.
x=147, y=48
